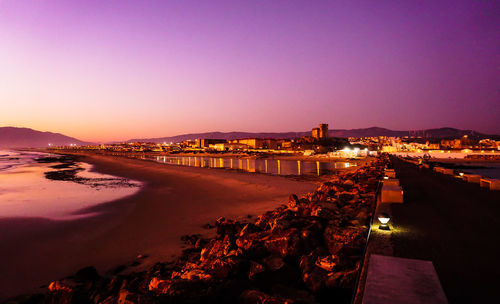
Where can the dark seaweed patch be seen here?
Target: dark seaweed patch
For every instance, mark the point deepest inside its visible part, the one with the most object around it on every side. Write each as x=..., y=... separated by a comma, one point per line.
x=64, y=166
x=71, y=175
x=56, y=159
x=66, y=175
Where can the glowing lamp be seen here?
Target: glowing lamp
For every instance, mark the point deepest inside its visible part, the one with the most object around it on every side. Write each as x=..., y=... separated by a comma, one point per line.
x=386, y=177
x=384, y=219
x=461, y=174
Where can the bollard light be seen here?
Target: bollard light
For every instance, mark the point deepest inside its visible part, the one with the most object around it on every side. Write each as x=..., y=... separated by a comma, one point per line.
x=384, y=219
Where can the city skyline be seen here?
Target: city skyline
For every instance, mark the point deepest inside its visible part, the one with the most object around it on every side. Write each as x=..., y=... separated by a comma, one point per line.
x=118, y=70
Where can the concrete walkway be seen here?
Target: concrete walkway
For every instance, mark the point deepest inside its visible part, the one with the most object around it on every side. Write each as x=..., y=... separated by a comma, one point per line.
x=402, y=281
x=455, y=225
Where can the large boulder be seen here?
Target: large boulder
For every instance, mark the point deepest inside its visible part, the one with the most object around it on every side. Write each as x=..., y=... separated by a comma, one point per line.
x=284, y=243
x=313, y=276
x=228, y=227
x=253, y=296
x=224, y=267
x=253, y=244
x=345, y=240
x=216, y=248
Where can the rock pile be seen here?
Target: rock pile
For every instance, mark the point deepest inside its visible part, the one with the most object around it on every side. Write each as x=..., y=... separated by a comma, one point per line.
x=306, y=251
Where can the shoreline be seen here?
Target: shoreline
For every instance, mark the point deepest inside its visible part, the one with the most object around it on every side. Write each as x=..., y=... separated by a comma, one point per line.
x=300, y=177
x=149, y=222
x=464, y=160
x=225, y=155
x=307, y=250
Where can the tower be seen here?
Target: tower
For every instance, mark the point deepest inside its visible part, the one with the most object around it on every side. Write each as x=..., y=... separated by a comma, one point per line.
x=323, y=131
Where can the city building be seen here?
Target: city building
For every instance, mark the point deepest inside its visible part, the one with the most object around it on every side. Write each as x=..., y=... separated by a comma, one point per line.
x=205, y=142
x=258, y=143
x=320, y=133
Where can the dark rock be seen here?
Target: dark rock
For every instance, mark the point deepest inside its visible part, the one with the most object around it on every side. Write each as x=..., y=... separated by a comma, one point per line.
x=258, y=297
x=249, y=229
x=208, y=226
x=135, y=263
x=283, y=221
x=273, y=263
x=216, y=248
x=285, y=243
x=293, y=201
x=224, y=267
x=190, y=255
x=118, y=269
x=190, y=239
x=115, y=284
x=200, y=243
x=313, y=276
x=253, y=244
x=87, y=274
x=293, y=295
x=348, y=240
x=228, y=227
x=255, y=270
x=176, y=287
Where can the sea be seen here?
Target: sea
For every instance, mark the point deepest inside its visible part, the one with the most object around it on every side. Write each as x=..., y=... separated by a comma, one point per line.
x=487, y=169
x=42, y=185
x=265, y=166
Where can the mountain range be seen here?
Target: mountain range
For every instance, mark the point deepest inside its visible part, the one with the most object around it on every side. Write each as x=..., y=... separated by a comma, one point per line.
x=13, y=137
x=365, y=132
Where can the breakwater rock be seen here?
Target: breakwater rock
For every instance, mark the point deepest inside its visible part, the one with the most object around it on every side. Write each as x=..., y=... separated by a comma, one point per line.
x=308, y=250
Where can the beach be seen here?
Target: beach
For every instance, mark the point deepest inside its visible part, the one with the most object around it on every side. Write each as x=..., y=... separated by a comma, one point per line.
x=174, y=201
x=307, y=250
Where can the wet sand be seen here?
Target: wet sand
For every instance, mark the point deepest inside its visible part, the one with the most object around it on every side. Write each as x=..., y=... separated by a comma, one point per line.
x=173, y=202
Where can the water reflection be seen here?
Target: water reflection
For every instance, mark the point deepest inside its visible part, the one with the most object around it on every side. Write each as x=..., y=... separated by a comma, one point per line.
x=269, y=166
x=26, y=191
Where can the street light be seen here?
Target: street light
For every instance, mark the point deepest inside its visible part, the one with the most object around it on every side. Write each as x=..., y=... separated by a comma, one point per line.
x=384, y=218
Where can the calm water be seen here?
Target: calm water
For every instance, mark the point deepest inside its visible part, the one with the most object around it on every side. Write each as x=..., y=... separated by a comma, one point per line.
x=268, y=166
x=29, y=188
x=491, y=170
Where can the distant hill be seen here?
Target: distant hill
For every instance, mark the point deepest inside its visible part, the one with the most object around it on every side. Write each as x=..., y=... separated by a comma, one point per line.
x=373, y=131
x=12, y=137
x=430, y=133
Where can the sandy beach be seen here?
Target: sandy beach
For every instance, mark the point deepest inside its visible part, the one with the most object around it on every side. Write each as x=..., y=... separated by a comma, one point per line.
x=173, y=202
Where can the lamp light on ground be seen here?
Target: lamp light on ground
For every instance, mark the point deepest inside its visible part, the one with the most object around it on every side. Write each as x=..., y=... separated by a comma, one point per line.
x=384, y=219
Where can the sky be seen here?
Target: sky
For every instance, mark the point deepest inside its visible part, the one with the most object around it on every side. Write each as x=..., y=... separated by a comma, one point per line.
x=115, y=70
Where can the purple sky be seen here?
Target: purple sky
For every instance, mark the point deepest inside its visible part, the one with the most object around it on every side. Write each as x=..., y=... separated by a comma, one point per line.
x=111, y=70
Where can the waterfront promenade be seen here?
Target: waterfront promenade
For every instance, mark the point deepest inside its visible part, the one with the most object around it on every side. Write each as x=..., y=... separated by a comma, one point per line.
x=452, y=223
